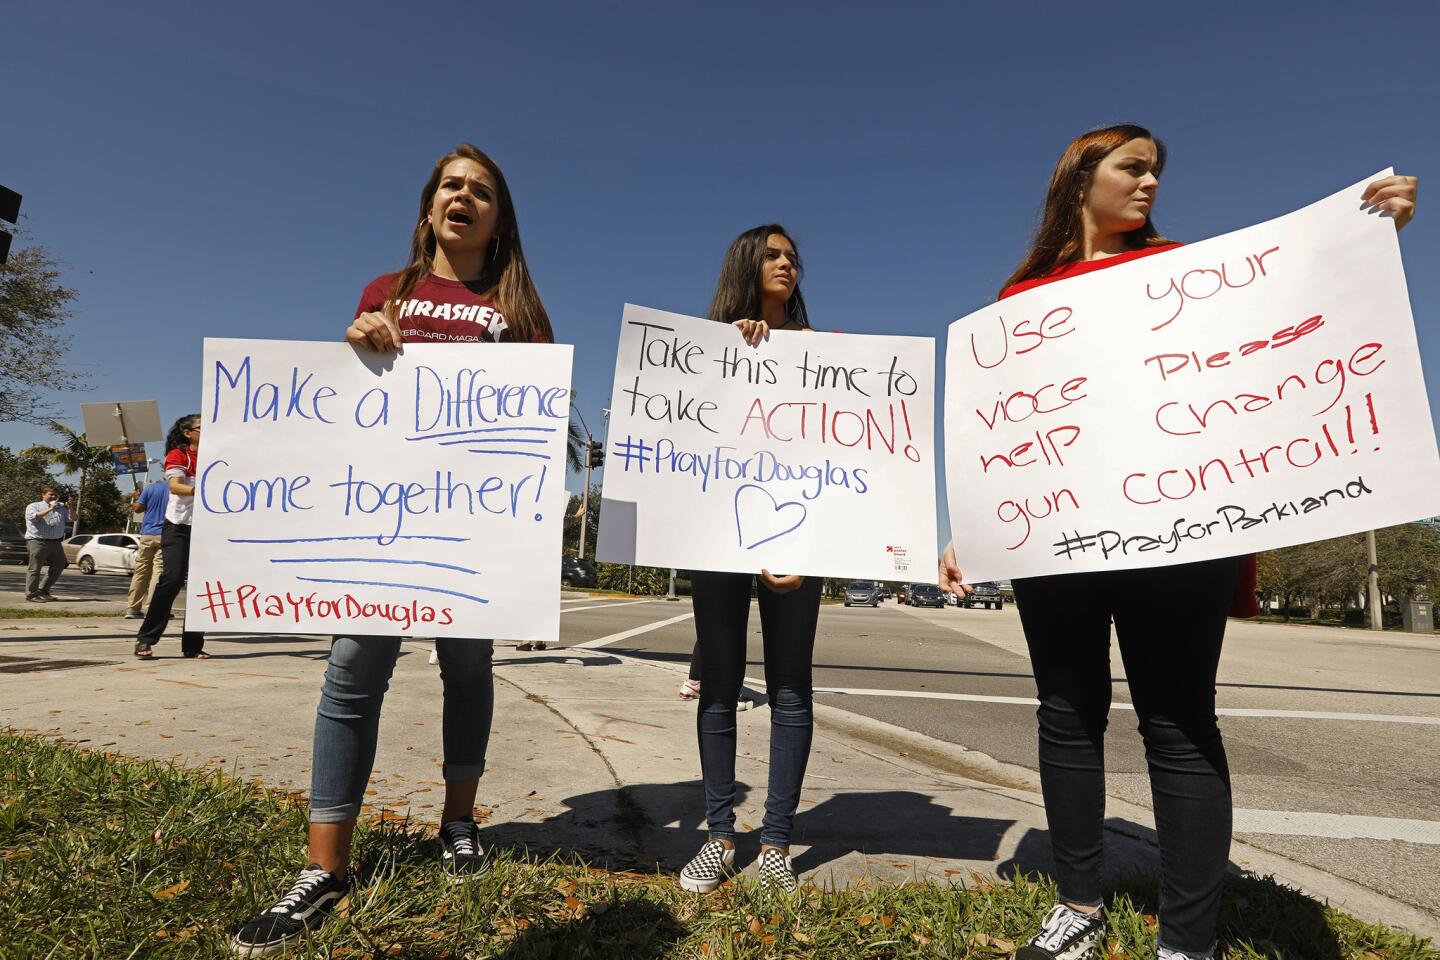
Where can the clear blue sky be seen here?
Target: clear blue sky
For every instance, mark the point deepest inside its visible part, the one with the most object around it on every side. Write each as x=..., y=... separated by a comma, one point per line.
x=244, y=169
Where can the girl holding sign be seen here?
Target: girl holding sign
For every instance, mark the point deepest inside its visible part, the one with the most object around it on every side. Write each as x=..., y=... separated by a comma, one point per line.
x=758, y=292
x=466, y=281
x=1169, y=621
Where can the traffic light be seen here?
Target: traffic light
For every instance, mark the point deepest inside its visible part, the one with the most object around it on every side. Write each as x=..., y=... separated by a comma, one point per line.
x=9, y=210
x=596, y=455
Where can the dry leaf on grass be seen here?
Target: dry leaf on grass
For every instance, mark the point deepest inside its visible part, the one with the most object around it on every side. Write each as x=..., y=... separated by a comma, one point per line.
x=171, y=891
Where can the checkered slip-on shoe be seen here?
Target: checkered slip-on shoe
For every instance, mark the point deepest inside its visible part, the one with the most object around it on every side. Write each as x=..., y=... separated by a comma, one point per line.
x=777, y=873
x=708, y=868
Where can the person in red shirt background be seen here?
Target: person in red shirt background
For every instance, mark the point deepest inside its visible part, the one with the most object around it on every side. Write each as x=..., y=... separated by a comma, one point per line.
x=1169, y=621
x=466, y=282
x=181, y=445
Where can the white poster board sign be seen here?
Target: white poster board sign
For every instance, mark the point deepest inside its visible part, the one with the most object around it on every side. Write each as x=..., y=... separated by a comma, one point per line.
x=809, y=453
x=345, y=491
x=1253, y=391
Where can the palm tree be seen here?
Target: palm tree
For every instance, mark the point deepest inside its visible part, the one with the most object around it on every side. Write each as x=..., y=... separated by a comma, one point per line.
x=73, y=455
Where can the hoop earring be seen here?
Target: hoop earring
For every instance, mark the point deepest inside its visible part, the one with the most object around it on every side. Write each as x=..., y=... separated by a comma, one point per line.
x=495, y=253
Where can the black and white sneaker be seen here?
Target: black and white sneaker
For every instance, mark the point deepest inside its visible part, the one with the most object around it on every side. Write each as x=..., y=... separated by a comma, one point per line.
x=1165, y=953
x=1065, y=935
x=460, y=849
x=311, y=899
x=777, y=873
x=708, y=868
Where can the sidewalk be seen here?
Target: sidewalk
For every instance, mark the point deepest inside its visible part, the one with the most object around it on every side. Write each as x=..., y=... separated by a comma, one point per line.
x=591, y=752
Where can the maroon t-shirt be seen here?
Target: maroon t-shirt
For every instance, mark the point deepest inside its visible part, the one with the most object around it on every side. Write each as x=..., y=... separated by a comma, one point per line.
x=439, y=311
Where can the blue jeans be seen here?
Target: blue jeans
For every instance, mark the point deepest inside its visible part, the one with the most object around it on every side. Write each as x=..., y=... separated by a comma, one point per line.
x=787, y=620
x=347, y=722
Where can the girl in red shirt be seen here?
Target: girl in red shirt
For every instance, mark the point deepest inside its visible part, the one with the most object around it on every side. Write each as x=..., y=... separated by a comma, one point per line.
x=466, y=281
x=1169, y=621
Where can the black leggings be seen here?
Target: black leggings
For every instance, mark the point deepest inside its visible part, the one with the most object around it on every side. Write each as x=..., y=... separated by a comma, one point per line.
x=175, y=553
x=722, y=614
x=1169, y=622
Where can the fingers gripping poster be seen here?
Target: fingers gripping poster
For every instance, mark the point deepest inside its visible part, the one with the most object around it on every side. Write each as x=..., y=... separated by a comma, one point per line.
x=413, y=493
x=1252, y=391
x=809, y=453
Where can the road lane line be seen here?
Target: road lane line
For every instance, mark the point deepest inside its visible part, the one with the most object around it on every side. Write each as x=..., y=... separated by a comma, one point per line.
x=611, y=606
x=627, y=634
x=1337, y=826
x=1118, y=705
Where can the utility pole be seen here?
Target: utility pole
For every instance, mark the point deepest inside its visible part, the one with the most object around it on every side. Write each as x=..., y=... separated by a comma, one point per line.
x=594, y=457
x=1377, y=617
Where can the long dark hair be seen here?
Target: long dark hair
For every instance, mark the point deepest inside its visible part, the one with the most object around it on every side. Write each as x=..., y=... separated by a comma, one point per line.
x=1061, y=232
x=737, y=293
x=505, y=273
x=175, y=439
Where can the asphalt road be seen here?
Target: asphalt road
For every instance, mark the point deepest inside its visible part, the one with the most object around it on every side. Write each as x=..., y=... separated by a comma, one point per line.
x=1333, y=754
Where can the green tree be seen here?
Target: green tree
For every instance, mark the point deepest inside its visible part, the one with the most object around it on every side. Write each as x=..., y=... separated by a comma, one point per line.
x=34, y=306
x=22, y=477
x=74, y=455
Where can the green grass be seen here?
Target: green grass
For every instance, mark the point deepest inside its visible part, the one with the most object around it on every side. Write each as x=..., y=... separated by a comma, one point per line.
x=49, y=613
x=106, y=857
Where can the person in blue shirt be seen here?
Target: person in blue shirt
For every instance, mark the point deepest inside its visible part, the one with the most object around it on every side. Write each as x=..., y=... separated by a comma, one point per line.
x=148, y=564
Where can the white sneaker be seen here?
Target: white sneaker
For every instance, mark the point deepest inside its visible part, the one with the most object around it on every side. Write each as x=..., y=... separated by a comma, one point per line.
x=708, y=868
x=690, y=689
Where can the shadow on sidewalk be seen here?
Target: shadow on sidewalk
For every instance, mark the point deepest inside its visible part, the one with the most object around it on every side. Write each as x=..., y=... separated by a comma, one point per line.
x=663, y=824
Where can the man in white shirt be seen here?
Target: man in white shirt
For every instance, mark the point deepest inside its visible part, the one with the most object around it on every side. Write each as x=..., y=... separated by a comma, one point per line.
x=46, y=522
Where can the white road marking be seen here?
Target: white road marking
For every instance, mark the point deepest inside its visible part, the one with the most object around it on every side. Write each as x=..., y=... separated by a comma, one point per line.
x=1120, y=705
x=586, y=599
x=607, y=606
x=627, y=634
x=1336, y=825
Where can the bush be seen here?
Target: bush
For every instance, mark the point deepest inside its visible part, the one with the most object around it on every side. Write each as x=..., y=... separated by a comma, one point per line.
x=643, y=581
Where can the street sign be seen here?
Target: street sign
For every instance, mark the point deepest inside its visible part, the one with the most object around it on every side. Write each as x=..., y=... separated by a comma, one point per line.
x=128, y=459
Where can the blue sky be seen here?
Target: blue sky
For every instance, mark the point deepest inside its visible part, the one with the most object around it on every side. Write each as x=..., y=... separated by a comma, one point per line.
x=244, y=170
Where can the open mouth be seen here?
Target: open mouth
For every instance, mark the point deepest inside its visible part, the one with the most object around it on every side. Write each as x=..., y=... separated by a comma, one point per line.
x=460, y=217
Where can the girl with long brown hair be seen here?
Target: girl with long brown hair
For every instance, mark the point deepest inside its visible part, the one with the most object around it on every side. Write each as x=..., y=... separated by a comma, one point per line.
x=758, y=291
x=466, y=282
x=1169, y=621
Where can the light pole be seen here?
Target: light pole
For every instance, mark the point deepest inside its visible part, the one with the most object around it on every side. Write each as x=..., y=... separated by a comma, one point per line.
x=1377, y=614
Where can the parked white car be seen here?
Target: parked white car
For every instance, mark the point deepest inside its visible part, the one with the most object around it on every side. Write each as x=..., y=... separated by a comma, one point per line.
x=108, y=553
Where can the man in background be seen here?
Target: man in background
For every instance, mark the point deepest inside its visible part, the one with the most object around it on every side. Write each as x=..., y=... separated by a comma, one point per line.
x=148, y=563
x=46, y=521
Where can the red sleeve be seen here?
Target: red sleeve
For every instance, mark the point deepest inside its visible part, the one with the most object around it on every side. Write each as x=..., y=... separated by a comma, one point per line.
x=376, y=292
x=1243, y=603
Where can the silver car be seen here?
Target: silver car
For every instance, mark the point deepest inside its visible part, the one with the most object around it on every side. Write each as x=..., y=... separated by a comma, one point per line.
x=862, y=593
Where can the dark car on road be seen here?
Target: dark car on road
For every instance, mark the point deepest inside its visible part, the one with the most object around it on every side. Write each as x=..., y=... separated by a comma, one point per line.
x=13, y=549
x=985, y=595
x=577, y=572
x=926, y=595
x=862, y=593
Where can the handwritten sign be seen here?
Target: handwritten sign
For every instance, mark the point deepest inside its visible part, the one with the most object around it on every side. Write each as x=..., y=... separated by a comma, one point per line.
x=414, y=493
x=1252, y=391
x=811, y=453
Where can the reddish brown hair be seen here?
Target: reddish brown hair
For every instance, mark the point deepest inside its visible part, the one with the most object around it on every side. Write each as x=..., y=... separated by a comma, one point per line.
x=1060, y=234
x=506, y=275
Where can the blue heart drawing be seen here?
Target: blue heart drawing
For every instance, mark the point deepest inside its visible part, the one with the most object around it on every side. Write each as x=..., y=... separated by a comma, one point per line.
x=762, y=511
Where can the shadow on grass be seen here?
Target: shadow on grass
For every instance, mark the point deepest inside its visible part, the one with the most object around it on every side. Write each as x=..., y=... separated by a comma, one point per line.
x=630, y=928
x=1258, y=916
